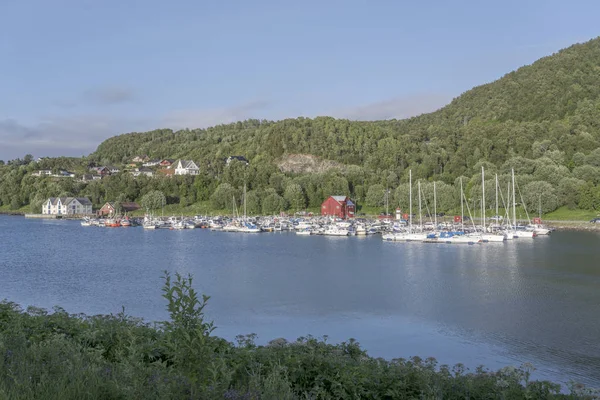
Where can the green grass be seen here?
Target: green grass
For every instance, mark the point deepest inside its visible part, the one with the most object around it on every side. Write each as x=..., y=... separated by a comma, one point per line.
x=564, y=214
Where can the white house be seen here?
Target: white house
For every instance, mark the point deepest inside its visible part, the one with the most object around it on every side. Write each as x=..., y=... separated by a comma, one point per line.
x=42, y=172
x=186, y=167
x=67, y=206
x=143, y=171
x=139, y=159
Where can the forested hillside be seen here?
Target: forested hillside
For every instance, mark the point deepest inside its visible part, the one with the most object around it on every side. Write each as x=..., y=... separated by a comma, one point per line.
x=543, y=120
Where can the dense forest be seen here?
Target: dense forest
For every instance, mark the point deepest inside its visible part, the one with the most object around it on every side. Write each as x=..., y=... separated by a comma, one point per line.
x=543, y=120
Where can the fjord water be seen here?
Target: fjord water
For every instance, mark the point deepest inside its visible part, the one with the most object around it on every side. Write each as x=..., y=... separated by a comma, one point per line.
x=496, y=304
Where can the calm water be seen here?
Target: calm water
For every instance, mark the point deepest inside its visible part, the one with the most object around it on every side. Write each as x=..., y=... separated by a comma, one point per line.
x=532, y=301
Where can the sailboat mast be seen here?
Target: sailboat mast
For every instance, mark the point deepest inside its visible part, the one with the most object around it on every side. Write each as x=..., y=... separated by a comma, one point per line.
x=244, y=201
x=462, y=210
x=513, y=199
x=508, y=204
x=420, y=218
x=434, y=206
x=496, y=195
x=483, y=197
x=410, y=201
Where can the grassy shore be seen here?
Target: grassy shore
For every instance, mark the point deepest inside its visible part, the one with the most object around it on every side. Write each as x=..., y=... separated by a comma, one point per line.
x=61, y=356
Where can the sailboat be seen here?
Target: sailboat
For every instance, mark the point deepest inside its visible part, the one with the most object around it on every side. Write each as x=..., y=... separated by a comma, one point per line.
x=420, y=235
x=409, y=236
x=519, y=233
x=461, y=237
x=485, y=236
x=247, y=226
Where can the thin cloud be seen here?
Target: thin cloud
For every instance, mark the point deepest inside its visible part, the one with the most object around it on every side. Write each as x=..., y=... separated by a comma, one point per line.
x=109, y=95
x=204, y=118
x=396, y=108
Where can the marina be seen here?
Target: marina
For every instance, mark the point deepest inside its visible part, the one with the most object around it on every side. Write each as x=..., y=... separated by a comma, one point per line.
x=400, y=229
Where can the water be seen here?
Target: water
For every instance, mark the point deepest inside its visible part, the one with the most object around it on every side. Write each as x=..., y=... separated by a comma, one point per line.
x=496, y=304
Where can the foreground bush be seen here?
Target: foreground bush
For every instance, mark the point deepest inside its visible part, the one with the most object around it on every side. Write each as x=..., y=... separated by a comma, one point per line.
x=61, y=356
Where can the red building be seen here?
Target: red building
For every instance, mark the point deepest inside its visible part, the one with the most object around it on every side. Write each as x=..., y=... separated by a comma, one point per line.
x=338, y=206
x=108, y=208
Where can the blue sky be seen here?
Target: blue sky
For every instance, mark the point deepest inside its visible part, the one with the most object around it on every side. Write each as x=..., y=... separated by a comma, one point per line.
x=74, y=72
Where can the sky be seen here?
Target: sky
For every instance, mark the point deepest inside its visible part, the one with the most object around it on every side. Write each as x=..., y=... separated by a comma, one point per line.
x=75, y=72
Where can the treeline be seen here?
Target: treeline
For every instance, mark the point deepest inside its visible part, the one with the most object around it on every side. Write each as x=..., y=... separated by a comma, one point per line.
x=543, y=120
x=542, y=184
x=62, y=356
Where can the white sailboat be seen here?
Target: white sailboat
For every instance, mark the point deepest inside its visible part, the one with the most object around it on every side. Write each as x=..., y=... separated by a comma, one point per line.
x=409, y=236
x=463, y=238
x=247, y=226
x=518, y=233
x=485, y=236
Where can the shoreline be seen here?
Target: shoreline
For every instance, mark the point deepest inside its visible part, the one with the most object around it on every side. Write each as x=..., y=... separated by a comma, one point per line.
x=582, y=226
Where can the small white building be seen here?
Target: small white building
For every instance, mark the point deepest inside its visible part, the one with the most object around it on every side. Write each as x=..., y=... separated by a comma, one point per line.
x=42, y=172
x=143, y=171
x=67, y=206
x=186, y=167
x=151, y=163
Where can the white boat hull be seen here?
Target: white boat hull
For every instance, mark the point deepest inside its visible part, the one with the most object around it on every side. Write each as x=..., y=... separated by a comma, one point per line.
x=486, y=237
x=524, y=234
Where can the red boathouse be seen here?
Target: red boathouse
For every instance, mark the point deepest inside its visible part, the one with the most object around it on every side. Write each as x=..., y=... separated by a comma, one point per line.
x=338, y=206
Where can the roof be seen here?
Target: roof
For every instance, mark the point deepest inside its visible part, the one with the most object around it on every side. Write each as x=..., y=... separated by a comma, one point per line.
x=125, y=206
x=339, y=199
x=66, y=200
x=188, y=164
x=84, y=201
x=145, y=169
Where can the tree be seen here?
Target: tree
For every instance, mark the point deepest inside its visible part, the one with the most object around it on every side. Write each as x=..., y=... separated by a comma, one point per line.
x=295, y=196
x=1, y=162
x=28, y=158
x=376, y=195
x=539, y=194
x=222, y=197
x=568, y=192
x=273, y=204
x=589, y=197
x=253, y=202
x=154, y=200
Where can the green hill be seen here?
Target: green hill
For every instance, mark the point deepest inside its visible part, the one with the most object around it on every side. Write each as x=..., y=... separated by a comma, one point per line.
x=554, y=99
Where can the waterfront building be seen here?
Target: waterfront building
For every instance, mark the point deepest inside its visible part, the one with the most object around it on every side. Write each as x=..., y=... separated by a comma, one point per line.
x=338, y=206
x=108, y=208
x=67, y=206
